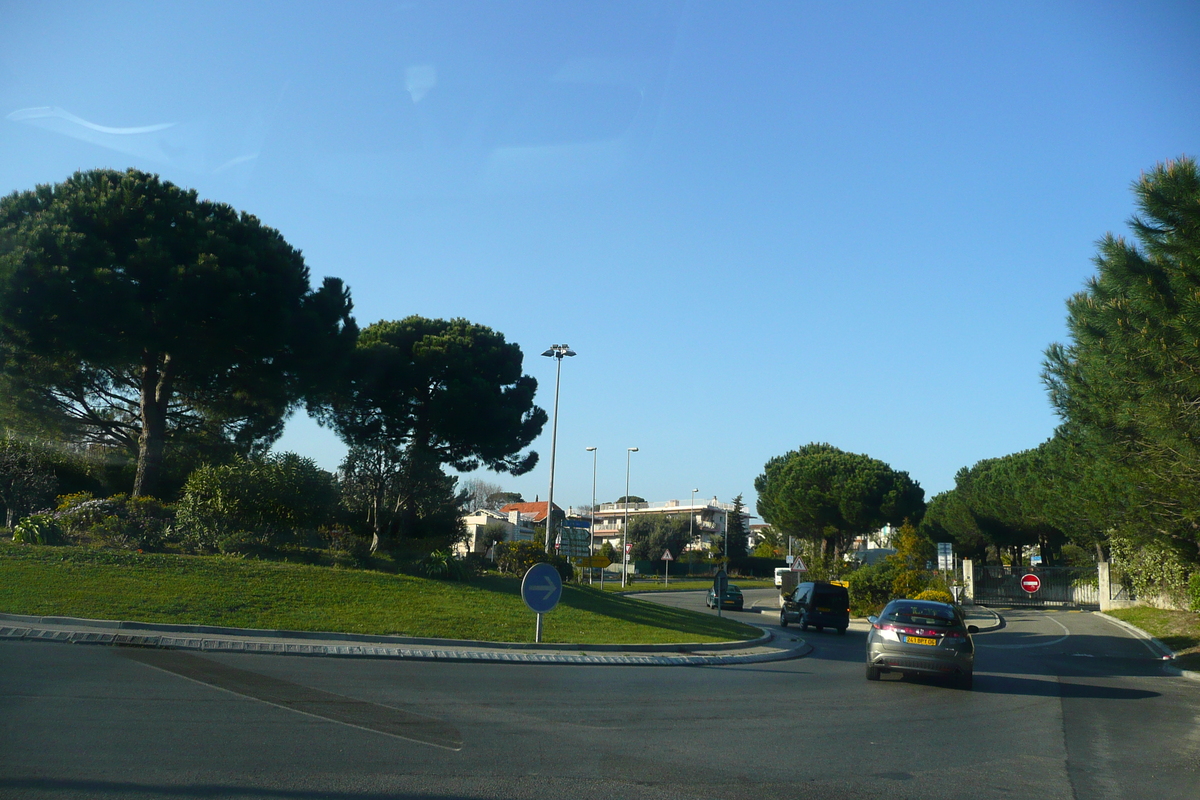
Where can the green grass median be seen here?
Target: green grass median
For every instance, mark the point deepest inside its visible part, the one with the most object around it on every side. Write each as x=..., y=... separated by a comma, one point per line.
x=243, y=593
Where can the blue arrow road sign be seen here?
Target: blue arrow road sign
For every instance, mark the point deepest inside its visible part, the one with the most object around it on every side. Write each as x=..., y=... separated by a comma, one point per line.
x=541, y=588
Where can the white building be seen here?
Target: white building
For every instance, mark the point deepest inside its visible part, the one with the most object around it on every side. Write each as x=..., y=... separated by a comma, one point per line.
x=710, y=519
x=517, y=527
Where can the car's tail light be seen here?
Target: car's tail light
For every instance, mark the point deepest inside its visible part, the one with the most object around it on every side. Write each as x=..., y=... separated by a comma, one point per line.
x=892, y=631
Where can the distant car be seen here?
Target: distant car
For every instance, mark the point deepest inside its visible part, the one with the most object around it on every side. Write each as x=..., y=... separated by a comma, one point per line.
x=818, y=604
x=921, y=637
x=731, y=599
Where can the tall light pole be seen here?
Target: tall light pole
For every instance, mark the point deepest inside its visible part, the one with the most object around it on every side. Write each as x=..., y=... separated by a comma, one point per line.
x=557, y=352
x=692, y=518
x=592, y=525
x=629, y=451
x=726, y=540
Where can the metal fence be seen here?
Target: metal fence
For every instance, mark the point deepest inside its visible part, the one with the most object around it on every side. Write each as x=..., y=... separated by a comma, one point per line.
x=1076, y=587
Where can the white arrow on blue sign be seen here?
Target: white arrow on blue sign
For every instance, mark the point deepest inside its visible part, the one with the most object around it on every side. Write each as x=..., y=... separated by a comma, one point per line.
x=541, y=588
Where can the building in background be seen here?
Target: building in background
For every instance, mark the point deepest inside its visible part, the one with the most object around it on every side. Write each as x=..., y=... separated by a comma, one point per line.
x=710, y=519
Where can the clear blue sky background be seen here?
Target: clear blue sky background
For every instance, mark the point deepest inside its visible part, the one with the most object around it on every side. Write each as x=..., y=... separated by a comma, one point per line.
x=759, y=224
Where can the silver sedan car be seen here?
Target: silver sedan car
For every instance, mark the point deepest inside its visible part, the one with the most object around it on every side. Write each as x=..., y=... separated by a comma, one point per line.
x=921, y=637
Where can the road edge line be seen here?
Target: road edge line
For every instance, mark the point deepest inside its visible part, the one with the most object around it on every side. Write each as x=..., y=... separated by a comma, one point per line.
x=1151, y=643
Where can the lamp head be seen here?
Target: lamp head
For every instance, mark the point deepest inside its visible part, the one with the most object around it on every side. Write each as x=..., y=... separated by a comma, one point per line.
x=590, y=449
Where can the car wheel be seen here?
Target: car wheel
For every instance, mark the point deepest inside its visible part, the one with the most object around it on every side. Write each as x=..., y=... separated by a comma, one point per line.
x=872, y=673
x=841, y=631
x=782, y=619
x=965, y=681
x=820, y=628
x=738, y=608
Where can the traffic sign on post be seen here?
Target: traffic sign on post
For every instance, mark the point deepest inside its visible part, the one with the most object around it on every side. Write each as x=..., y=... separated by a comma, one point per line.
x=720, y=584
x=540, y=589
x=1030, y=582
x=798, y=565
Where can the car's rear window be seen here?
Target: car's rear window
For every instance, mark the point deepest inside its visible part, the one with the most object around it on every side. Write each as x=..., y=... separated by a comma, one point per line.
x=831, y=599
x=917, y=614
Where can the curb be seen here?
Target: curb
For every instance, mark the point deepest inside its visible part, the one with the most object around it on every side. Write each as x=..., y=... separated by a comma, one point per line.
x=398, y=641
x=997, y=625
x=1168, y=653
x=452, y=650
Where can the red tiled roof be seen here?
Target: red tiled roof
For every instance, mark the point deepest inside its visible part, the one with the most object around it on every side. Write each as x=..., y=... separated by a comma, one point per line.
x=535, y=512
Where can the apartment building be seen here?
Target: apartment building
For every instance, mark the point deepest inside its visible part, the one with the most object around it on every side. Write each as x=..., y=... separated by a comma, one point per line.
x=710, y=519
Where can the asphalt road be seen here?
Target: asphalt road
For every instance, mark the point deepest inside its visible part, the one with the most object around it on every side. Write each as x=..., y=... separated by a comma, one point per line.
x=1066, y=705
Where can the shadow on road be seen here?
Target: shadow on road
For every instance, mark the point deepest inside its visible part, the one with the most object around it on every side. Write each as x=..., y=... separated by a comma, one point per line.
x=98, y=788
x=1032, y=687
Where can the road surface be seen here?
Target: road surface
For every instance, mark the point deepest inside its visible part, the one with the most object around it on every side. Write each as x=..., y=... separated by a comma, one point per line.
x=1065, y=705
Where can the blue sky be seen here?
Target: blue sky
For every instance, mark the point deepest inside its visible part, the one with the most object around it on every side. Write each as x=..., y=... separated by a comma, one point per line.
x=759, y=224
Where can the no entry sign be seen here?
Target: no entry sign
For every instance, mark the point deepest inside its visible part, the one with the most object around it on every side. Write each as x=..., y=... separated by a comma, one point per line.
x=1030, y=582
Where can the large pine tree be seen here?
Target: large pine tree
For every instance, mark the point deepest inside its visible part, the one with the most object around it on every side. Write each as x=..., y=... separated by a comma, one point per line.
x=1129, y=381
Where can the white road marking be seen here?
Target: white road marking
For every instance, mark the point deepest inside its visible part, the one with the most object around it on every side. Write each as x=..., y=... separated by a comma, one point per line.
x=1066, y=633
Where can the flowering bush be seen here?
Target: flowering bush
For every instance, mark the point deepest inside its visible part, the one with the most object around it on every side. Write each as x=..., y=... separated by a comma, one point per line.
x=132, y=523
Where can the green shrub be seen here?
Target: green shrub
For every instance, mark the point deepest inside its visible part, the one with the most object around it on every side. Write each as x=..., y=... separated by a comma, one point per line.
x=344, y=544
x=1152, y=568
x=264, y=497
x=937, y=595
x=131, y=523
x=515, y=558
x=871, y=587
x=908, y=583
x=1194, y=592
x=38, y=529
x=443, y=565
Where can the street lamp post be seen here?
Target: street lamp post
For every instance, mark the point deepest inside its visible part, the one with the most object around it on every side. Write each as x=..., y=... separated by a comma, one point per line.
x=592, y=526
x=726, y=541
x=629, y=451
x=692, y=518
x=557, y=352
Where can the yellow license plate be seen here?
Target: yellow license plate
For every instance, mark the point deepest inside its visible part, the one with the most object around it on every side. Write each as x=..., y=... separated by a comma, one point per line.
x=920, y=640
x=826, y=610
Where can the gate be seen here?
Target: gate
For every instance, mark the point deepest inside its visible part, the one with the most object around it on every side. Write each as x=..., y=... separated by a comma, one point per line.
x=1075, y=587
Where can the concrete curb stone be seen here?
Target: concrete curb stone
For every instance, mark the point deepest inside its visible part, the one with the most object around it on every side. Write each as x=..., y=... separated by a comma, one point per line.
x=160, y=627
x=1167, y=652
x=237, y=640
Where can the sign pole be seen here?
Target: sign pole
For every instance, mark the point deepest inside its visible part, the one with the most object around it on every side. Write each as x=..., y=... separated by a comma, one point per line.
x=541, y=589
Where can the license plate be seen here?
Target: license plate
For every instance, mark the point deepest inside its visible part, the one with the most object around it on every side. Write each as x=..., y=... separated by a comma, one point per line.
x=920, y=640
x=826, y=610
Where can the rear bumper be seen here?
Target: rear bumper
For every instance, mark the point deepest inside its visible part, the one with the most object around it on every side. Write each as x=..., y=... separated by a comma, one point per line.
x=922, y=664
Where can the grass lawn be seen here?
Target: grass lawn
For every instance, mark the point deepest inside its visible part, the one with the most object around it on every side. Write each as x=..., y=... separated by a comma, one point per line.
x=682, y=585
x=1178, y=630
x=243, y=593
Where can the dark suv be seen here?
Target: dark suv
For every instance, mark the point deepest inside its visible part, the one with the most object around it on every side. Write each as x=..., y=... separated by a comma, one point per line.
x=819, y=604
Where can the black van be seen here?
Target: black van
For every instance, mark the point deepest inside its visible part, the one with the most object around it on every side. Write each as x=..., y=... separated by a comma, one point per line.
x=819, y=604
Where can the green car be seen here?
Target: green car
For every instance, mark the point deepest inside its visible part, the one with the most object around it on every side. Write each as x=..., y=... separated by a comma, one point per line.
x=731, y=599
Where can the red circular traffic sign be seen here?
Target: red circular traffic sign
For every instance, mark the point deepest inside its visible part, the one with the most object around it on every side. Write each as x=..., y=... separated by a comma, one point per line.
x=1030, y=582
